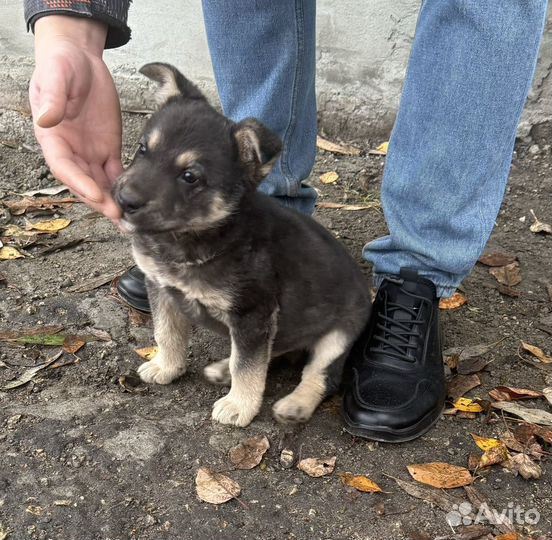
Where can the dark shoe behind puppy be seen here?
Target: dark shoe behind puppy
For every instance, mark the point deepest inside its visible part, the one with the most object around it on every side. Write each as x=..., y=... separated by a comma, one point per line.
x=218, y=253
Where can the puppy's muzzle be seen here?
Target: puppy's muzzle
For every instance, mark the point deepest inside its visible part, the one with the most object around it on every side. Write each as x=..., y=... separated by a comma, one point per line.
x=129, y=201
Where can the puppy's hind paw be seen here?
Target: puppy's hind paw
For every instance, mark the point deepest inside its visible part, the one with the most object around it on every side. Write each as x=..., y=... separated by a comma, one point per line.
x=218, y=372
x=229, y=410
x=292, y=410
x=158, y=372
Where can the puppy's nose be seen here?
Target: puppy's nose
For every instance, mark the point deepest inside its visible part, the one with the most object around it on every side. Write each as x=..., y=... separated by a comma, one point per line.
x=128, y=201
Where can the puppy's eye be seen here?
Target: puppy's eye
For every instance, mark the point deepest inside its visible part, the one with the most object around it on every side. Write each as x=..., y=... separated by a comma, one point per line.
x=142, y=148
x=188, y=176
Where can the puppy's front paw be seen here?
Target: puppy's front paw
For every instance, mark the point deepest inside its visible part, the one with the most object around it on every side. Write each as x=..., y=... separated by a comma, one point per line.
x=218, y=372
x=157, y=371
x=229, y=410
x=292, y=410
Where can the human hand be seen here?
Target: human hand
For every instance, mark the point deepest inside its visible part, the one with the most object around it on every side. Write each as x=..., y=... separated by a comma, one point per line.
x=76, y=111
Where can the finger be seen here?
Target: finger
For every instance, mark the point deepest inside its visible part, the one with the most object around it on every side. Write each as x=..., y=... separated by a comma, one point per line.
x=113, y=169
x=65, y=167
x=52, y=96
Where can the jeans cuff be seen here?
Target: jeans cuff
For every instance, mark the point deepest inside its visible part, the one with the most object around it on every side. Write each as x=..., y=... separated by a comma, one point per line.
x=443, y=291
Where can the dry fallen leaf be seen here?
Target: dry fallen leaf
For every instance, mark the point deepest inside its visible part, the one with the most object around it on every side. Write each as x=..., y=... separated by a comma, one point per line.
x=498, y=454
x=472, y=351
x=507, y=437
x=335, y=148
x=249, y=453
x=468, y=366
x=536, y=352
x=533, y=416
x=468, y=405
x=454, y=302
x=360, y=482
x=9, y=253
x=460, y=384
x=72, y=344
x=215, y=488
x=348, y=207
x=130, y=382
x=30, y=204
x=8, y=335
x=496, y=258
x=14, y=231
x=509, y=393
x=440, y=475
x=508, y=275
x=30, y=373
x=329, y=178
x=524, y=465
x=55, y=190
x=51, y=225
x=508, y=536
x=147, y=352
x=539, y=226
x=442, y=499
x=381, y=150
x=316, y=467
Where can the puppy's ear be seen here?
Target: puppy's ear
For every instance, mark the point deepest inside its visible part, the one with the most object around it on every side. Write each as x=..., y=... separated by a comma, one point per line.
x=172, y=82
x=258, y=148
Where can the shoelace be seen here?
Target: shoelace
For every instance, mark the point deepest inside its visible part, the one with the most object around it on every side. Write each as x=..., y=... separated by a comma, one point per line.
x=394, y=336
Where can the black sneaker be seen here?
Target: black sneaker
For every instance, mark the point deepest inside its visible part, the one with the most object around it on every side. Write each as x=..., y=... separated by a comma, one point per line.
x=132, y=289
x=396, y=383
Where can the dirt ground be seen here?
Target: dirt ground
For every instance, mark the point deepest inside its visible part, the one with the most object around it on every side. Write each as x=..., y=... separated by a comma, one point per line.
x=82, y=458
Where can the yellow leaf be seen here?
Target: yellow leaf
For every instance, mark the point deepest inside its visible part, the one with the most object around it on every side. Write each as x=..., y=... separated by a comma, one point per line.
x=440, y=475
x=9, y=253
x=536, y=352
x=13, y=231
x=147, y=352
x=329, y=178
x=455, y=301
x=381, y=149
x=468, y=405
x=486, y=444
x=360, y=482
x=51, y=225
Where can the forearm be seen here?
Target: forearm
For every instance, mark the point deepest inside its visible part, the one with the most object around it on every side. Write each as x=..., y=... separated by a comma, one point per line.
x=110, y=15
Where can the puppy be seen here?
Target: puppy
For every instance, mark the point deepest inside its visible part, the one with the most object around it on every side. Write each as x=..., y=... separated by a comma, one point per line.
x=218, y=253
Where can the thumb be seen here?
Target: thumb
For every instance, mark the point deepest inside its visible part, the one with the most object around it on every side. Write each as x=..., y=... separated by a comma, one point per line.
x=53, y=95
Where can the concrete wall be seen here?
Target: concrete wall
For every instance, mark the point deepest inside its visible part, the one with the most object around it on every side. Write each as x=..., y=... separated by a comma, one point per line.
x=363, y=48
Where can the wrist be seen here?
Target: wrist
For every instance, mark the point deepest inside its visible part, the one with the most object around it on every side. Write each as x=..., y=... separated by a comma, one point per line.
x=87, y=34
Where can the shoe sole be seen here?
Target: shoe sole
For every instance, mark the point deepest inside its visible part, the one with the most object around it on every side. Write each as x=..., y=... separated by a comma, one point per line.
x=393, y=435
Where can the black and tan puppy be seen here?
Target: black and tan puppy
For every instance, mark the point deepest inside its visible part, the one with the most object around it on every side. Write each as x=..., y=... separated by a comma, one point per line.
x=218, y=253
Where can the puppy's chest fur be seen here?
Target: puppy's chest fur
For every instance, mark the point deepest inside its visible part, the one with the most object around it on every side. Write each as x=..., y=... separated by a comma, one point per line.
x=189, y=280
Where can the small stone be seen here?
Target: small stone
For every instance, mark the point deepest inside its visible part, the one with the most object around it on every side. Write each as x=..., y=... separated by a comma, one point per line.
x=287, y=458
x=312, y=512
x=534, y=149
x=293, y=490
x=12, y=420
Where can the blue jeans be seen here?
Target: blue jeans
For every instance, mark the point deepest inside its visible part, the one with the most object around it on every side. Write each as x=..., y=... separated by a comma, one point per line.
x=470, y=70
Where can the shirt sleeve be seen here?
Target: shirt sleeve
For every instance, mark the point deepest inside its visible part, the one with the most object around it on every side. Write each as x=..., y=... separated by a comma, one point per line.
x=112, y=12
